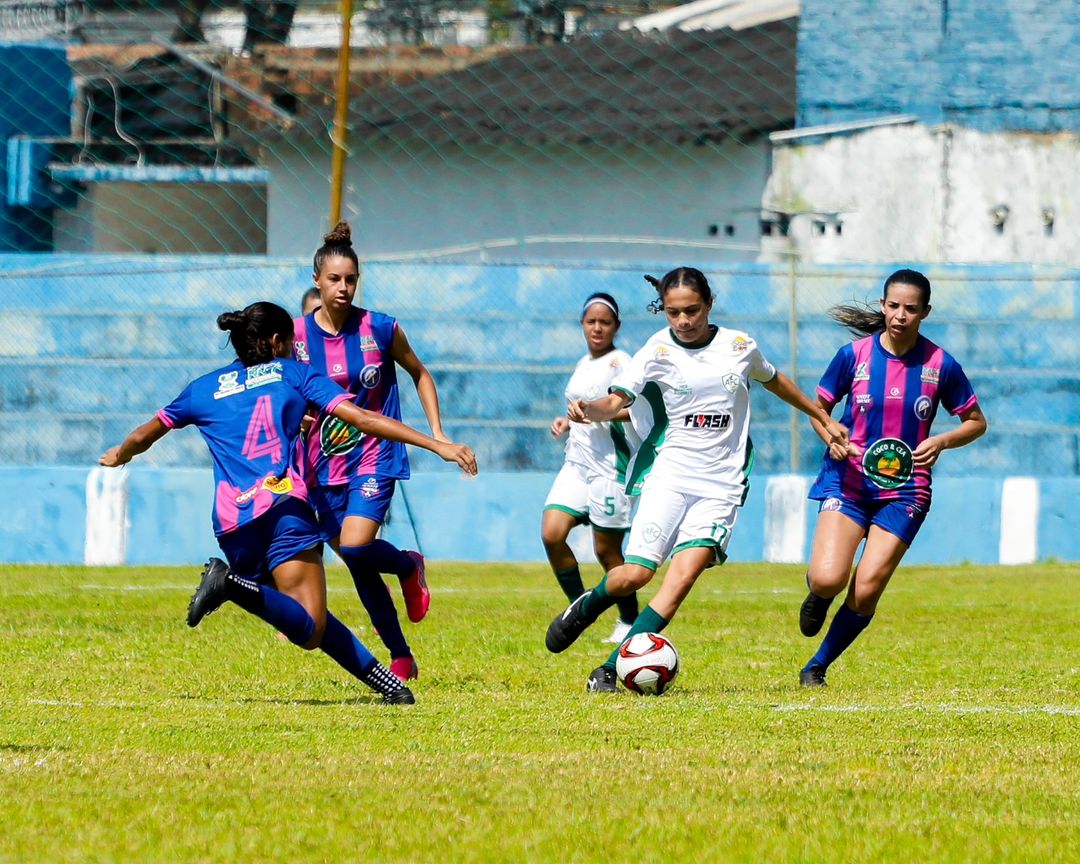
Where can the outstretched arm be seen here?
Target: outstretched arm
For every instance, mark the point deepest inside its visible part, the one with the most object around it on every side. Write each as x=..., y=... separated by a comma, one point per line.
x=378, y=426
x=832, y=433
x=604, y=408
x=972, y=425
x=406, y=358
x=138, y=441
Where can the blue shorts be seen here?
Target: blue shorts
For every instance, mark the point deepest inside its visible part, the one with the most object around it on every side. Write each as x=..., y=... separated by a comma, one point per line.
x=280, y=534
x=902, y=519
x=368, y=497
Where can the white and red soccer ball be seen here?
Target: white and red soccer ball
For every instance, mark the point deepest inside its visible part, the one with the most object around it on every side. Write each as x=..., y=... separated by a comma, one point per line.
x=647, y=663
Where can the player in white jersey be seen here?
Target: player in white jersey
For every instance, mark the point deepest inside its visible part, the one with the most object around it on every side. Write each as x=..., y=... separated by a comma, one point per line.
x=695, y=462
x=589, y=489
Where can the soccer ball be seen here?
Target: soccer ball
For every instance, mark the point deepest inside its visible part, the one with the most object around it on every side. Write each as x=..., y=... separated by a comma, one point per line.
x=647, y=663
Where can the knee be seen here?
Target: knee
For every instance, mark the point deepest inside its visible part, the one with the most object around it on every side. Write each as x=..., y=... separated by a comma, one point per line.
x=826, y=580
x=315, y=640
x=631, y=577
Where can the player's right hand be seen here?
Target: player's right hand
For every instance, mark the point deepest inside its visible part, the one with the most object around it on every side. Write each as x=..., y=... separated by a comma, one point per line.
x=577, y=411
x=559, y=427
x=111, y=458
x=462, y=454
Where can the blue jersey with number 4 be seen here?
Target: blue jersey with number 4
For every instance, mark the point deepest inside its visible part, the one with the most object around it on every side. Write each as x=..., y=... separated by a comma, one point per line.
x=250, y=417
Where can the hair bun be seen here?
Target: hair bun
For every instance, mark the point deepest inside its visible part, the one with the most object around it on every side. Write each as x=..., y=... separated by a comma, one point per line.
x=652, y=280
x=340, y=236
x=230, y=321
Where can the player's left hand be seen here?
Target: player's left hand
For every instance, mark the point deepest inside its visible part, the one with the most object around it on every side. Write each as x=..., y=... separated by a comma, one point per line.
x=926, y=454
x=111, y=458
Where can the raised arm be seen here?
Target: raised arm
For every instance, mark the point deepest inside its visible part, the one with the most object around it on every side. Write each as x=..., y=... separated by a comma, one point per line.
x=378, y=426
x=138, y=441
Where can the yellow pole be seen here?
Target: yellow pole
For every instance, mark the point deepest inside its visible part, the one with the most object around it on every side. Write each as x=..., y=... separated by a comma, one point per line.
x=341, y=115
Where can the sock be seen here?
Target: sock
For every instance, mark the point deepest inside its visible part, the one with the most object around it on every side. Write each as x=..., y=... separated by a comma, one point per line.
x=597, y=601
x=377, y=601
x=846, y=626
x=648, y=621
x=382, y=557
x=628, y=608
x=570, y=582
x=276, y=609
x=350, y=654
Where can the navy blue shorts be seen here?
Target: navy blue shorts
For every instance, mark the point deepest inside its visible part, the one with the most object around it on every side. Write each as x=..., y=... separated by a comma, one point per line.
x=368, y=497
x=279, y=535
x=902, y=519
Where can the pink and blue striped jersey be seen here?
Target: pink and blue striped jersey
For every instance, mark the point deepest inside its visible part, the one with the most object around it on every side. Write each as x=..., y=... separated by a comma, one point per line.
x=358, y=359
x=250, y=417
x=891, y=404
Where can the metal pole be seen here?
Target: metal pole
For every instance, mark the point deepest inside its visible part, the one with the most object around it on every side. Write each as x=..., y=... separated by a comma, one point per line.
x=341, y=115
x=793, y=349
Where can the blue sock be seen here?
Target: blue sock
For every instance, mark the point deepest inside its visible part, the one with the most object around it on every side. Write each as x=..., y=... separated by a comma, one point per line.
x=846, y=626
x=345, y=649
x=382, y=557
x=648, y=621
x=377, y=601
x=276, y=609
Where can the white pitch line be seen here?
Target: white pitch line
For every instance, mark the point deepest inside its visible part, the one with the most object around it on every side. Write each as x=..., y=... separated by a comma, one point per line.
x=915, y=707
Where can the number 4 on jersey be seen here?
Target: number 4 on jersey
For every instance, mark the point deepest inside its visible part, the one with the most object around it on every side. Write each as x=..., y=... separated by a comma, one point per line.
x=262, y=438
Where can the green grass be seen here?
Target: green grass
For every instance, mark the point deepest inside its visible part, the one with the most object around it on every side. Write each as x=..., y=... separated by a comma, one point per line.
x=950, y=732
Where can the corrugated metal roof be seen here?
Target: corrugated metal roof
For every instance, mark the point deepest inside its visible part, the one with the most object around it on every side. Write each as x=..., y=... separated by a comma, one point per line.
x=675, y=87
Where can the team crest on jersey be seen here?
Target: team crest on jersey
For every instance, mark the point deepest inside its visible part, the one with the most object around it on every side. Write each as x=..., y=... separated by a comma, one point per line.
x=263, y=374
x=930, y=375
x=368, y=343
x=300, y=349
x=731, y=382
x=922, y=407
x=739, y=345
x=592, y=392
x=370, y=376
x=661, y=352
x=862, y=373
x=336, y=437
x=370, y=488
x=228, y=385
x=888, y=463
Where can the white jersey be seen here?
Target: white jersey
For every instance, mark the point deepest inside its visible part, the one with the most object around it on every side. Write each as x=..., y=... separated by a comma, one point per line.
x=700, y=399
x=601, y=448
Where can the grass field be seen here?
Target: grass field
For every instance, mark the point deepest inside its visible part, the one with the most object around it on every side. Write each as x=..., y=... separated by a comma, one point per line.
x=951, y=732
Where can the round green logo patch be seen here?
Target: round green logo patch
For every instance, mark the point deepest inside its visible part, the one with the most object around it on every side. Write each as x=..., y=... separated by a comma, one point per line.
x=337, y=437
x=888, y=463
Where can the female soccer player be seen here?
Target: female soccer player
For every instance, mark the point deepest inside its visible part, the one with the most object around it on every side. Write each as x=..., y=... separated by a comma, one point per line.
x=351, y=478
x=697, y=377
x=877, y=487
x=590, y=486
x=249, y=414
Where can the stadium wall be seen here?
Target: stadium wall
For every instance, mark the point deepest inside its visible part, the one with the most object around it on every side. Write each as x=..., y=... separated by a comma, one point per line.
x=147, y=516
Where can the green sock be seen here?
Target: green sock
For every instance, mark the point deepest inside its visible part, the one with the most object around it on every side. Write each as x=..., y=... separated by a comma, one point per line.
x=648, y=621
x=628, y=608
x=598, y=601
x=570, y=582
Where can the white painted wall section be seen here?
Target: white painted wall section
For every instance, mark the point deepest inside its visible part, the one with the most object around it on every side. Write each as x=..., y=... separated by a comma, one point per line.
x=1019, y=521
x=785, y=518
x=106, y=517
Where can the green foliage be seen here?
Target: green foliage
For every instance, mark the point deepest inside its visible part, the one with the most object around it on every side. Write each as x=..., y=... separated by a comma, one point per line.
x=948, y=733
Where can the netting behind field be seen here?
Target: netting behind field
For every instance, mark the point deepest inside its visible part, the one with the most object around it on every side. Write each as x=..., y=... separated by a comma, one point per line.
x=91, y=347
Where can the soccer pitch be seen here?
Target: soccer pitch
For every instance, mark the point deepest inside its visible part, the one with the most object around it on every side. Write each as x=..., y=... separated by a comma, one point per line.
x=949, y=732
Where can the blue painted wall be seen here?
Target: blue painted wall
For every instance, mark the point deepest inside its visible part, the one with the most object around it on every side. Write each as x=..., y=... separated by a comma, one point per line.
x=1008, y=65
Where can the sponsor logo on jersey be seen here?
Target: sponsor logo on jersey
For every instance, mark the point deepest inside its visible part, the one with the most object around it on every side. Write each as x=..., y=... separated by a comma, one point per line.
x=300, y=349
x=336, y=437
x=368, y=343
x=888, y=463
x=707, y=421
x=370, y=376
x=739, y=345
x=862, y=373
x=277, y=485
x=930, y=375
x=370, y=488
x=894, y=393
x=922, y=407
x=914, y=511
x=263, y=374
x=337, y=369
x=731, y=382
x=863, y=401
x=830, y=505
x=228, y=385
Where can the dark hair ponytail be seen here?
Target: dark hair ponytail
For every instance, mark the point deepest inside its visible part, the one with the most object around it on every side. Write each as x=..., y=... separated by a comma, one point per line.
x=251, y=329
x=680, y=277
x=863, y=319
x=338, y=243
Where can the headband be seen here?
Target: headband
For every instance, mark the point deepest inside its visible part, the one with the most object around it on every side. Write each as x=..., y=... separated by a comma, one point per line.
x=601, y=300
